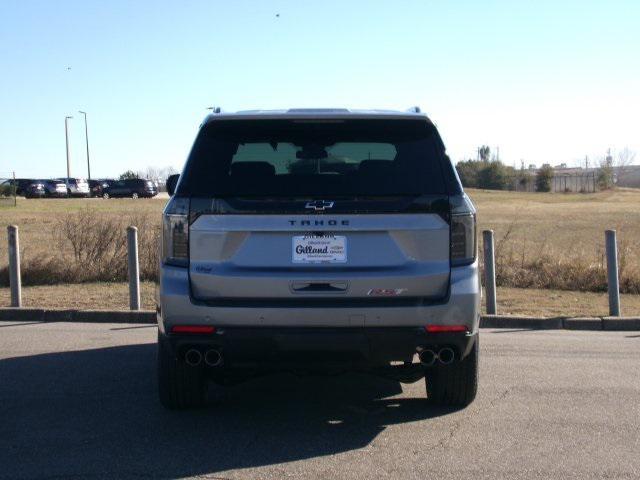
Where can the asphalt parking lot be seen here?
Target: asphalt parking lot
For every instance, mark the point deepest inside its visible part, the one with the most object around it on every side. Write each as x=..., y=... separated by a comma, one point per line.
x=79, y=400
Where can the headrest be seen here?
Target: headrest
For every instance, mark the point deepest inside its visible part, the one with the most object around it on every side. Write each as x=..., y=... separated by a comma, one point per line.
x=376, y=167
x=252, y=169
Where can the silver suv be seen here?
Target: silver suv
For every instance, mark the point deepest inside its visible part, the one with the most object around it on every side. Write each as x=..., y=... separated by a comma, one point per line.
x=318, y=241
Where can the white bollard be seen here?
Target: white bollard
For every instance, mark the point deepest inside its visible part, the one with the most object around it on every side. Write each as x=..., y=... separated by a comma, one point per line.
x=134, y=268
x=613, y=284
x=15, y=281
x=489, y=271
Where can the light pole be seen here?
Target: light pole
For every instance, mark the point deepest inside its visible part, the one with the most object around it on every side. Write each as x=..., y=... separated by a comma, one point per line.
x=86, y=137
x=66, y=137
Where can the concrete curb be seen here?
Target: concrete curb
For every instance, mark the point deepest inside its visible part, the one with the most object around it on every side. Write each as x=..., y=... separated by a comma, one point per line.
x=79, y=316
x=487, y=321
x=583, y=323
x=621, y=323
x=533, y=323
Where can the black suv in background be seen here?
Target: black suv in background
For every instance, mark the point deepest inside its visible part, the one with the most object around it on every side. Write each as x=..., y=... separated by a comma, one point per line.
x=25, y=187
x=97, y=187
x=134, y=188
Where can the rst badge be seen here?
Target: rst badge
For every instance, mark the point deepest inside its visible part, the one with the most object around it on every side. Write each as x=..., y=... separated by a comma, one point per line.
x=386, y=292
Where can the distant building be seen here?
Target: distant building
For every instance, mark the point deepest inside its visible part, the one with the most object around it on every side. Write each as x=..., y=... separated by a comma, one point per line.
x=579, y=179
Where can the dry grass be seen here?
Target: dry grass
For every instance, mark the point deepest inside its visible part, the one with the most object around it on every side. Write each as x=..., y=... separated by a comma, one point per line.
x=542, y=240
x=94, y=296
x=557, y=240
x=512, y=301
x=557, y=303
x=75, y=241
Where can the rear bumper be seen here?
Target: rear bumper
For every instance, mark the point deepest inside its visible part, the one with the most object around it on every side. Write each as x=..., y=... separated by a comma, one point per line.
x=461, y=307
x=270, y=348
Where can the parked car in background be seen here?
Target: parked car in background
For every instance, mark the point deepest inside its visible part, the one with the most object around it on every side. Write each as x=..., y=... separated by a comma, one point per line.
x=25, y=187
x=134, y=188
x=97, y=186
x=76, y=187
x=54, y=188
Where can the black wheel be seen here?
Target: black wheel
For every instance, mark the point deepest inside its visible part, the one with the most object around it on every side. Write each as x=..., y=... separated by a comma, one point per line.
x=180, y=386
x=105, y=195
x=134, y=195
x=454, y=385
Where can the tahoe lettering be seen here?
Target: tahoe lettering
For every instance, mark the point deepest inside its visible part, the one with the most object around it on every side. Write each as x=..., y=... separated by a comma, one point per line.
x=318, y=223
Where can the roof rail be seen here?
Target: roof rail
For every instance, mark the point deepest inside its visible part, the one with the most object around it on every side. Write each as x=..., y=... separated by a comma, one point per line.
x=414, y=109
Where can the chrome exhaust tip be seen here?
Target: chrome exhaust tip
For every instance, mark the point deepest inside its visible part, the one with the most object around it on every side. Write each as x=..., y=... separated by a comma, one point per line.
x=446, y=356
x=213, y=358
x=193, y=357
x=427, y=357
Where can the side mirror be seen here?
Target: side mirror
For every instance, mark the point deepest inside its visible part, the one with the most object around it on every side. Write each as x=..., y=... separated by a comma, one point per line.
x=172, y=181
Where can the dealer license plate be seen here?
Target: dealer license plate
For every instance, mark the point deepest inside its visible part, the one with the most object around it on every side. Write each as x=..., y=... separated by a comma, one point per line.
x=319, y=249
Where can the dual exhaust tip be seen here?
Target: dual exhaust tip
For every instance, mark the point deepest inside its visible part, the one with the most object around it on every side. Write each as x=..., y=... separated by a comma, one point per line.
x=211, y=357
x=429, y=357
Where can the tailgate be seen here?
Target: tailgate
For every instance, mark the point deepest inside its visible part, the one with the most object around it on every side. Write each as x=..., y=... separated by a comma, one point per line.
x=326, y=256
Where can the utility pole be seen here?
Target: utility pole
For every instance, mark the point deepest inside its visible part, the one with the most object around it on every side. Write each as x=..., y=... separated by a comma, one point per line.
x=86, y=136
x=66, y=137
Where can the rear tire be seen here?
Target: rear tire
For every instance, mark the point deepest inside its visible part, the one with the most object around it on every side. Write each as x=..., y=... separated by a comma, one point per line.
x=454, y=385
x=180, y=386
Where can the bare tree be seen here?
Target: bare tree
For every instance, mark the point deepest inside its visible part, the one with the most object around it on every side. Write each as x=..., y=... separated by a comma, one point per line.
x=158, y=175
x=625, y=159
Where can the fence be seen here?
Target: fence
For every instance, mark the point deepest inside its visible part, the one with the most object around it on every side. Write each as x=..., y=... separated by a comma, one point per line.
x=582, y=183
x=560, y=182
x=489, y=270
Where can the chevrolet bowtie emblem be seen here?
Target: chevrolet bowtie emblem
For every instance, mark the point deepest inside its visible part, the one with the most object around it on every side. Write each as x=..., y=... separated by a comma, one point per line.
x=319, y=205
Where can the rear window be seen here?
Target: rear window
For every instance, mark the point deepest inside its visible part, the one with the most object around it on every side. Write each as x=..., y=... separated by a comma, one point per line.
x=288, y=158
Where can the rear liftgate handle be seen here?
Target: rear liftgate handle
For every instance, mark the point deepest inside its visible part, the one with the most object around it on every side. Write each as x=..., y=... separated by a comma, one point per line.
x=319, y=287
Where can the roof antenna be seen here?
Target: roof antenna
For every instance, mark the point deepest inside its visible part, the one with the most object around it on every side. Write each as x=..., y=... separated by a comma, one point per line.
x=414, y=109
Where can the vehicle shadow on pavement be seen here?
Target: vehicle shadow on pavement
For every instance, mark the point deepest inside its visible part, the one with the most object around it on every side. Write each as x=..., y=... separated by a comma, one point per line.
x=95, y=413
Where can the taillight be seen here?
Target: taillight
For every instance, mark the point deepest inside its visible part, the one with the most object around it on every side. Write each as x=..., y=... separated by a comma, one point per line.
x=175, y=232
x=463, y=245
x=193, y=329
x=446, y=328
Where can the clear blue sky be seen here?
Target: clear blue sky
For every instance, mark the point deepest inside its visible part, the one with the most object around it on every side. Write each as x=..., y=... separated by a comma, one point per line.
x=546, y=81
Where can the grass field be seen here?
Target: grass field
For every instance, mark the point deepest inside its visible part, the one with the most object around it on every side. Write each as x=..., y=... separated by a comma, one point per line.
x=553, y=241
x=556, y=240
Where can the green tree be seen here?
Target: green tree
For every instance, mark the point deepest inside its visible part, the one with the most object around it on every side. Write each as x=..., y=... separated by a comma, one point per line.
x=484, y=153
x=544, y=177
x=468, y=172
x=605, y=176
x=128, y=175
x=493, y=176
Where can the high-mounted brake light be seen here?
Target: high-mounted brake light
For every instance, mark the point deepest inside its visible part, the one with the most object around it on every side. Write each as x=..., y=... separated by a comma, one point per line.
x=195, y=329
x=446, y=328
